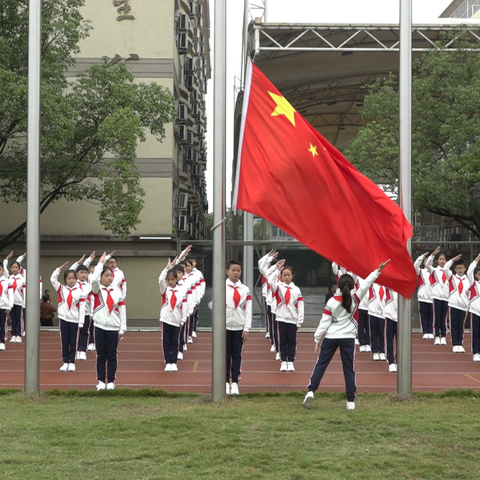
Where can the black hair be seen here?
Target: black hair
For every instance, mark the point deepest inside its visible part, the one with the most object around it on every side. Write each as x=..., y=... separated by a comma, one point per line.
x=439, y=254
x=93, y=263
x=82, y=268
x=233, y=262
x=178, y=268
x=288, y=267
x=15, y=262
x=477, y=269
x=171, y=271
x=188, y=261
x=45, y=298
x=68, y=272
x=345, y=284
x=459, y=262
x=105, y=268
x=115, y=258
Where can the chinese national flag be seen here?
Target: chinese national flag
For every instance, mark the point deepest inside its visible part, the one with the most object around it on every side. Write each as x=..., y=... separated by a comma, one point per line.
x=290, y=175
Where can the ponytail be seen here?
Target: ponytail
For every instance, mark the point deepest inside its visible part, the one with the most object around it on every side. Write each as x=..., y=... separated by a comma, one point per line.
x=345, y=284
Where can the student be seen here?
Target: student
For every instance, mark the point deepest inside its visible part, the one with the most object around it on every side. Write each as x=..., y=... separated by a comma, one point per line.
x=16, y=284
x=391, y=319
x=71, y=314
x=110, y=321
x=190, y=282
x=376, y=316
x=439, y=294
x=331, y=292
x=91, y=331
x=238, y=321
x=458, y=301
x=290, y=312
x=424, y=296
x=173, y=315
x=5, y=299
x=118, y=276
x=200, y=292
x=182, y=341
x=339, y=327
x=473, y=274
x=86, y=288
x=46, y=312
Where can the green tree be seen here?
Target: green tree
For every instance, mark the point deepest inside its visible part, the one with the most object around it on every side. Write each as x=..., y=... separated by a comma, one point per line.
x=445, y=131
x=90, y=126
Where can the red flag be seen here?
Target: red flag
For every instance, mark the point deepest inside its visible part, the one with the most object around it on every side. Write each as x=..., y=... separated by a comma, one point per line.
x=290, y=175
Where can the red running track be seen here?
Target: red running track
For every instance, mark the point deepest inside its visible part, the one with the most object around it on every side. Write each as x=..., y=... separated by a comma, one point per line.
x=435, y=367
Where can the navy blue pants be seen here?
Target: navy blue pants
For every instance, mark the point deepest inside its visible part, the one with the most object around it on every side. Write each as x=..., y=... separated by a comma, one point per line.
x=287, y=333
x=170, y=336
x=347, y=354
x=377, y=334
x=475, y=329
x=68, y=337
x=440, y=310
x=426, y=316
x=106, y=342
x=457, y=325
x=16, y=319
x=363, y=327
x=234, y=355
x=3, y=318
x=83, y=334
x=391, y=337
x=181, y=338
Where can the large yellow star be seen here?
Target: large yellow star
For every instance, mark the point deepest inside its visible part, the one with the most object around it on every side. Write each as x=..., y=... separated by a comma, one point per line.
x=283, y=108
x=313, y=150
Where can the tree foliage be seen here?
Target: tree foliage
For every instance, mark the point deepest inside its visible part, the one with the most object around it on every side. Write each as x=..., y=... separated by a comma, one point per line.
x=90, y=127
x=445, y=132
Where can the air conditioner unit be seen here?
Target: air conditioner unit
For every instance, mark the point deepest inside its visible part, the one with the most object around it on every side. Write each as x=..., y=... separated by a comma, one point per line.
x=182, y=134
x=189, y=155
x=195, y=218
x=190, y=229
x=199, y=22
x=182, y=201
x=190, y=81
x=196, y=32
x=183, y=45
x=190, y=210
x=184, y=23
x=196, y=48
x=199, y=226
x=190, y=138
x=199, y=10
x=182, y=223
x=183, y=112
x=195, y=170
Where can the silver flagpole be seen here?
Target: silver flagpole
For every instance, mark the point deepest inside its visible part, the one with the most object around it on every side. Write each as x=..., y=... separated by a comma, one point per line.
x=404, y=376
x=219, y=162
x=32, y=321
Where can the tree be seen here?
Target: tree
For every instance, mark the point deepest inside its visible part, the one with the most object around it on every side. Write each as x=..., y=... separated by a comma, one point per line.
x=90, y=127
x=445, y=131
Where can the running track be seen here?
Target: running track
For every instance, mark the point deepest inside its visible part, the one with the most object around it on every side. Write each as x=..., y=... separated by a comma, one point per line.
x=435, y=368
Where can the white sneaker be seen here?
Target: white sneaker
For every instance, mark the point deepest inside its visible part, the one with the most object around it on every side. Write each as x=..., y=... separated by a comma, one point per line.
x=267, y=335
x=443, y=341
x=194, y=334
x=437, y=341
x=2, y=346
x=277, y=356
x=361, y=348
x=168, y=367
x=426, y=336
x=71, y=367
x=12, y=339
x=91, y=347
x=357, y=342
x=179, y=356
x=64, y=367
x=431, y=336
x=368, y=349
x=308, y=400
x=383, y=357
x=82, y=356
x=101, y=386
x=460, y=349
x=185, y=348
x=228, y=389
x=392, y=367
x=78, y=355
x=273, y=349
x=234, y=389
x=376, y=357
x=173, y=367
x=190, y=340
x=290, y=367
x=110, y=386
x=18, y=339
x=283, y=367
x=476, y=357
x=455, y=349
x=350, y=405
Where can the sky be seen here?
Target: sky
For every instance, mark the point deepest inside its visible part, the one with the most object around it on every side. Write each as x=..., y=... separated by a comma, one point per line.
x=298, y=11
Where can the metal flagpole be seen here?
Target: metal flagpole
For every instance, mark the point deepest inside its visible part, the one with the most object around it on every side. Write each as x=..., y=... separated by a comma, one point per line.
x=219, y=162
x=404, y=354
x=32, y=322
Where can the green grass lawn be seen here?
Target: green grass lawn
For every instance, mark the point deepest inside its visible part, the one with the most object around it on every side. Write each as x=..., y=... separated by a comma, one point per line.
x=149, y=434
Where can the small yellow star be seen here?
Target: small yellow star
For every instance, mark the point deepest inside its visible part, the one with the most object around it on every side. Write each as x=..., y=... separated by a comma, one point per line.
x=283, y=108
x=313, y=150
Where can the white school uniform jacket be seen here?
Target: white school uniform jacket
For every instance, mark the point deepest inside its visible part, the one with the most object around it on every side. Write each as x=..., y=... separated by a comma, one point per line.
x=376, y=300
x=474, y=289
x=191, y=286
x=111, y=317
x=291, y=312
x=118, y=278
x=85, y=286
x=16, y=285
x=266, y=269
x=336, y=322
x=238, y=316
x=391, y=305
x=439, y=280
x=6, y=302
x=199, y=285
x=458, y=289
x=425, y=281
x=71, y=300
x=174, y=313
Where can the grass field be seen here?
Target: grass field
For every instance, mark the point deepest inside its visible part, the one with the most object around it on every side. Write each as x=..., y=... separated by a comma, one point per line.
x=150, y=434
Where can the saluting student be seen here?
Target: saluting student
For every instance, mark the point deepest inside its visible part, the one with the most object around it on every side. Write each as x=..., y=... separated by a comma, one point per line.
x=391, y=319
x=473, y=274
x=5, y=299
x=290, y=312
x=376, y=315
x=16, y=285
x=424, y=296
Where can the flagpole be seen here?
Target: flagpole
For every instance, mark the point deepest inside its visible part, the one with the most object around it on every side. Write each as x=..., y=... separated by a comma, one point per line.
x=219, y=162
x=404, y=354
x=32, y=323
